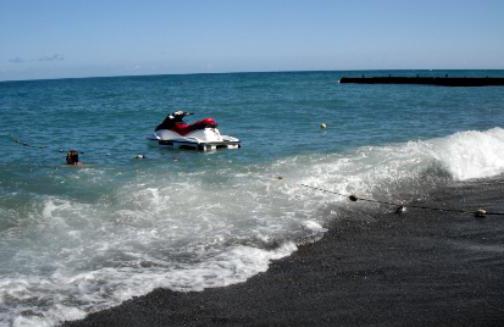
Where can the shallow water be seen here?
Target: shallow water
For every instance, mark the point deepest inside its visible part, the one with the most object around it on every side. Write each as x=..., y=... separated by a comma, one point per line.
x=78, y=240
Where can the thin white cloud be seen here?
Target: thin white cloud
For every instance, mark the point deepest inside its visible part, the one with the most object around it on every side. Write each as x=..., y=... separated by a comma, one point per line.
x=21, y=60
x=17, y=60
x=54, y=57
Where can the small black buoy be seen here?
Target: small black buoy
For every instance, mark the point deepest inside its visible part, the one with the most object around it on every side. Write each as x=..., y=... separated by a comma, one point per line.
x=400, y=210
x=352, y=198
x=480, y=213
x=279, y=177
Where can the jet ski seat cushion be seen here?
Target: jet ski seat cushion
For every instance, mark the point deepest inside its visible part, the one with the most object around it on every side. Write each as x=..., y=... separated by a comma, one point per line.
x=184, y=129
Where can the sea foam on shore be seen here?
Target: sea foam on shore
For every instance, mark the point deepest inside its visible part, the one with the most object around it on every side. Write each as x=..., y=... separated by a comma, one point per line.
x=195, y=230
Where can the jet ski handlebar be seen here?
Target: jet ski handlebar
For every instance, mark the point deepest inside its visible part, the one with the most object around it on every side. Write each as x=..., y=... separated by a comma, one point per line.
x=181, y=113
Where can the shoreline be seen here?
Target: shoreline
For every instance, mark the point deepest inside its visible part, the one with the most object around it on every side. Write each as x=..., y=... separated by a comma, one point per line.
x=419, y=268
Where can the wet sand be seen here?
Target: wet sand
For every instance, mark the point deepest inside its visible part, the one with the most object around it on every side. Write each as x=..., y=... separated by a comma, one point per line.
x=417, y=269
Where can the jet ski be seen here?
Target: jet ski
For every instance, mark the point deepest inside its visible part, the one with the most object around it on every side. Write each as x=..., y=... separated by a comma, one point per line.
x=202, y=135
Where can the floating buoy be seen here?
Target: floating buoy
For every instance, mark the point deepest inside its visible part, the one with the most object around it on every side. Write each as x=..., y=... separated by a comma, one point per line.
x=480, y=213
x=279, y=177
x=323, y=125
x=352, y=198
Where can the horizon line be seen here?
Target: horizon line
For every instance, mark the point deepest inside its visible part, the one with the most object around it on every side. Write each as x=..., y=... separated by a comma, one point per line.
x=248, y=72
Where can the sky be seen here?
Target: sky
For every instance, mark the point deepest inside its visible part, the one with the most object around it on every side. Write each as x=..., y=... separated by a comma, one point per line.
x=82, y=38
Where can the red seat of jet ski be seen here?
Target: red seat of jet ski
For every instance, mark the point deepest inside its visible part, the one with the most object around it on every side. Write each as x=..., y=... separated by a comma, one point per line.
x=184, y=129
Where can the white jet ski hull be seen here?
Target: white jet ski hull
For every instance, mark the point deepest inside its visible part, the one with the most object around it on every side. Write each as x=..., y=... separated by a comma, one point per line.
x=207, y=139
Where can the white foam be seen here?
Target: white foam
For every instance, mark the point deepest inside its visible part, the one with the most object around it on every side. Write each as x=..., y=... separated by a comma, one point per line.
x=472, y=154
x=191, y=231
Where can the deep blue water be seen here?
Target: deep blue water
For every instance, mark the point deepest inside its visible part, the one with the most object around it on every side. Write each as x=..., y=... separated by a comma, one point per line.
x=193, y=215
x=275, y=114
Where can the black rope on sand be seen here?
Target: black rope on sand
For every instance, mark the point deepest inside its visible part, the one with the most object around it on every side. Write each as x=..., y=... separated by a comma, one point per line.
x=484, y=183
x=401, y=208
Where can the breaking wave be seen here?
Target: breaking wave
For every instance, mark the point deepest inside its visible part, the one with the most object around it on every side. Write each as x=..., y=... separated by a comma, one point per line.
x=62, y=258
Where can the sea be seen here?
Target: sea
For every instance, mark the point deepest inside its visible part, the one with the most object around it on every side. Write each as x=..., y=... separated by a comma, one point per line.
x=75, y=240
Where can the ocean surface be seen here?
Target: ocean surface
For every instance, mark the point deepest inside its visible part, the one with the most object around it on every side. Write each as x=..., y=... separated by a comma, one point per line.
x=77, y=240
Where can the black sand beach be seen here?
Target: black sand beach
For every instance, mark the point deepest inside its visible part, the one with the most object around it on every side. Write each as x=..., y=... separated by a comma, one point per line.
x=421, y=268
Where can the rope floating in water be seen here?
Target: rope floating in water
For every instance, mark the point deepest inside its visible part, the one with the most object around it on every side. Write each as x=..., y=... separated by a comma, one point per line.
x=18, y=141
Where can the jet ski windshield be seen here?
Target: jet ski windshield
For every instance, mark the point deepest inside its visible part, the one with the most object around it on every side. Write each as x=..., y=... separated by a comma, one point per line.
x=172, y=119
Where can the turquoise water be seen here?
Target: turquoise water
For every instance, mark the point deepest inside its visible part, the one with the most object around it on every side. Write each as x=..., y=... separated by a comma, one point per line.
x=104, y=116
x=73, y=240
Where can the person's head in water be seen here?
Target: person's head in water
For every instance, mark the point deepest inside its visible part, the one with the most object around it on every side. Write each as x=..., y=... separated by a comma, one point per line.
x=72, y=157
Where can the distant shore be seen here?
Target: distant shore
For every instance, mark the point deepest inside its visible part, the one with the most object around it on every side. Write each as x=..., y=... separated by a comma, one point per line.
x=416, y=269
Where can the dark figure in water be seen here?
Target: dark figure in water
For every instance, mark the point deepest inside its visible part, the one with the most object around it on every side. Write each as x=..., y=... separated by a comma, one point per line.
x=72, y=158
